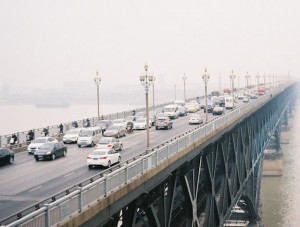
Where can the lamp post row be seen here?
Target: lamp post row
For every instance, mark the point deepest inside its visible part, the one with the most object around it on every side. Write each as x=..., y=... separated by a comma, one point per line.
x=148, y=80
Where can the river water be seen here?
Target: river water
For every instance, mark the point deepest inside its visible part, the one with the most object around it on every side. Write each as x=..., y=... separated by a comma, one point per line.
x=280, y=196
x=18, y=118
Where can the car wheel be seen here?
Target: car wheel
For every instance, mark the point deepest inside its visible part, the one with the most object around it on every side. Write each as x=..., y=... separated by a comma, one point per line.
x=121, y=147
x=118, y=136
x=108, y=164
x=90, y=166
x=92, y=144
x=156, y=128
x=37, y=159
x=53, y=156
x=79, y=146
x=64, y=154
x=119, y=159
x=11, y=160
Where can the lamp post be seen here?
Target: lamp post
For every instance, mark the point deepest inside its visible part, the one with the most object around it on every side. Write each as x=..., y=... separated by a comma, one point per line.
x=220, y=87
x=232, y=77
x=153, y=105
x=247, y=77
x=257, y=79
x=97, y=81
x=264, y=76
x=205, y=78
x=146, y=81
x=184, y=79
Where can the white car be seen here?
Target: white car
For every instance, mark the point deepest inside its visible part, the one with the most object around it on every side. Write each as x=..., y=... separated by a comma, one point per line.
x=103, y=157
x=71, y=135
x=141, y=123
x=35, y=144
x=195, y=119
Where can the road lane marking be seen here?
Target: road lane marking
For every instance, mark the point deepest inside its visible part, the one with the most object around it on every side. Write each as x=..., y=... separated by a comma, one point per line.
x=69, y=174
x=35, y=188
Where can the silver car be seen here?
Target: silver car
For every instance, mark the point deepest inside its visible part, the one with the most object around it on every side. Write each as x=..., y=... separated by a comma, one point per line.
x=115, y=131
x=110, y=143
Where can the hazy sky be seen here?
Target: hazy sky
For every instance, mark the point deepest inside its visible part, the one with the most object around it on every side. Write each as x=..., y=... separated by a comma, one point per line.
x=56, y=41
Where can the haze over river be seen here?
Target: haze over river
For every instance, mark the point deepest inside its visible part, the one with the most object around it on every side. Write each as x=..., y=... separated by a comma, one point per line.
x=280, y=196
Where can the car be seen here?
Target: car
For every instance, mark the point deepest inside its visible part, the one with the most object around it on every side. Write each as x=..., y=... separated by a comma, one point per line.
x=141, y=123
x=191, y=108
x=218, y=110
x=196, y=102
x=253, y=96
x=71, y=135
x=202, y=104
x=210, y=107
x=104, y=124
x=109, y=142
x=35, y=144
x=163, y=122
x=246, y=99
x=7, y=156
x=121, y=121
x=103, y=157
x=161, y=115
x=89, y=136
x=182, y=111
x=195, y=119
x=115, y=131
x=50, y=151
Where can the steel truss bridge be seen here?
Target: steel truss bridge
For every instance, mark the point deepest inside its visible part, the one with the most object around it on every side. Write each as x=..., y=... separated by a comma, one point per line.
x=206, y=177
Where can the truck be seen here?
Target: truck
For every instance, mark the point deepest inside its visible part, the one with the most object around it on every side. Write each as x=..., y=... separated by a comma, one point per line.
x=261, y=90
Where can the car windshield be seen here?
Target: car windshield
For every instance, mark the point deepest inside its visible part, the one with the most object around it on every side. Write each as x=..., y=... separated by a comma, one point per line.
x=114, y=127
x=96, y=152
x=162, y=119
x=104, y=141
x=194, y=116
x=71, y=132
x=118, y=121
x=47, y=146
x=169, y=109
x=86, y=133
x=141, y=120
x=42, y=140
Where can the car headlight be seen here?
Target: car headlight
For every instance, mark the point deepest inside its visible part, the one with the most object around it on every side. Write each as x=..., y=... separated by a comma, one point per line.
x=49, y=152
x=34, y=153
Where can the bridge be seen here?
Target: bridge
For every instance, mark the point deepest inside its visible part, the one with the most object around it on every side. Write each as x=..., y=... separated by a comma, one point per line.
x=205, y=176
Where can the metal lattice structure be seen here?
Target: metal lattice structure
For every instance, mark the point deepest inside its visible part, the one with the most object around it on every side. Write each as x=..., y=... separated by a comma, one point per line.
x=219, y=185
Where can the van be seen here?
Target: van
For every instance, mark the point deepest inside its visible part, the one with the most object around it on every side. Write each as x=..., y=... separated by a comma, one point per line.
x=89, y=136
x=171, y=111
x=228, y=102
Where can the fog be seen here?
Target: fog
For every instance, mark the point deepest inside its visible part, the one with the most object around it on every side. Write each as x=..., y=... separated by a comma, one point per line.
x=58, y=45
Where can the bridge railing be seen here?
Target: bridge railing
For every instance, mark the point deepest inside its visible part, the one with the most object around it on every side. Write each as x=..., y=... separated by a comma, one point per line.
x=54, y=129
x=78, y=200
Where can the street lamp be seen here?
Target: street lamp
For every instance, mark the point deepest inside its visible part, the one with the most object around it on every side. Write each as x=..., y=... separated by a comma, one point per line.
x=146, y=81
x=247, y=77
x=205, y=78
x=184, y=79
x=232, y=77
x=97, y=81
x=220, y=88
x=257, y=79
x=153, y=92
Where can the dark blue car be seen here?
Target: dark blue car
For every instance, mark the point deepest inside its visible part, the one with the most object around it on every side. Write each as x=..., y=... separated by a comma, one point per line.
x=182, y=111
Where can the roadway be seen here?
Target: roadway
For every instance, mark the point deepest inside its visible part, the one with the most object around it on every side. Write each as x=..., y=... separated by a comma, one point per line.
x=27, y=182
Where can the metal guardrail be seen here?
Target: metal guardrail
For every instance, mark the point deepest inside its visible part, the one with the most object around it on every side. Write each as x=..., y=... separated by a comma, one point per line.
x=76, y=201
x=54, y=129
